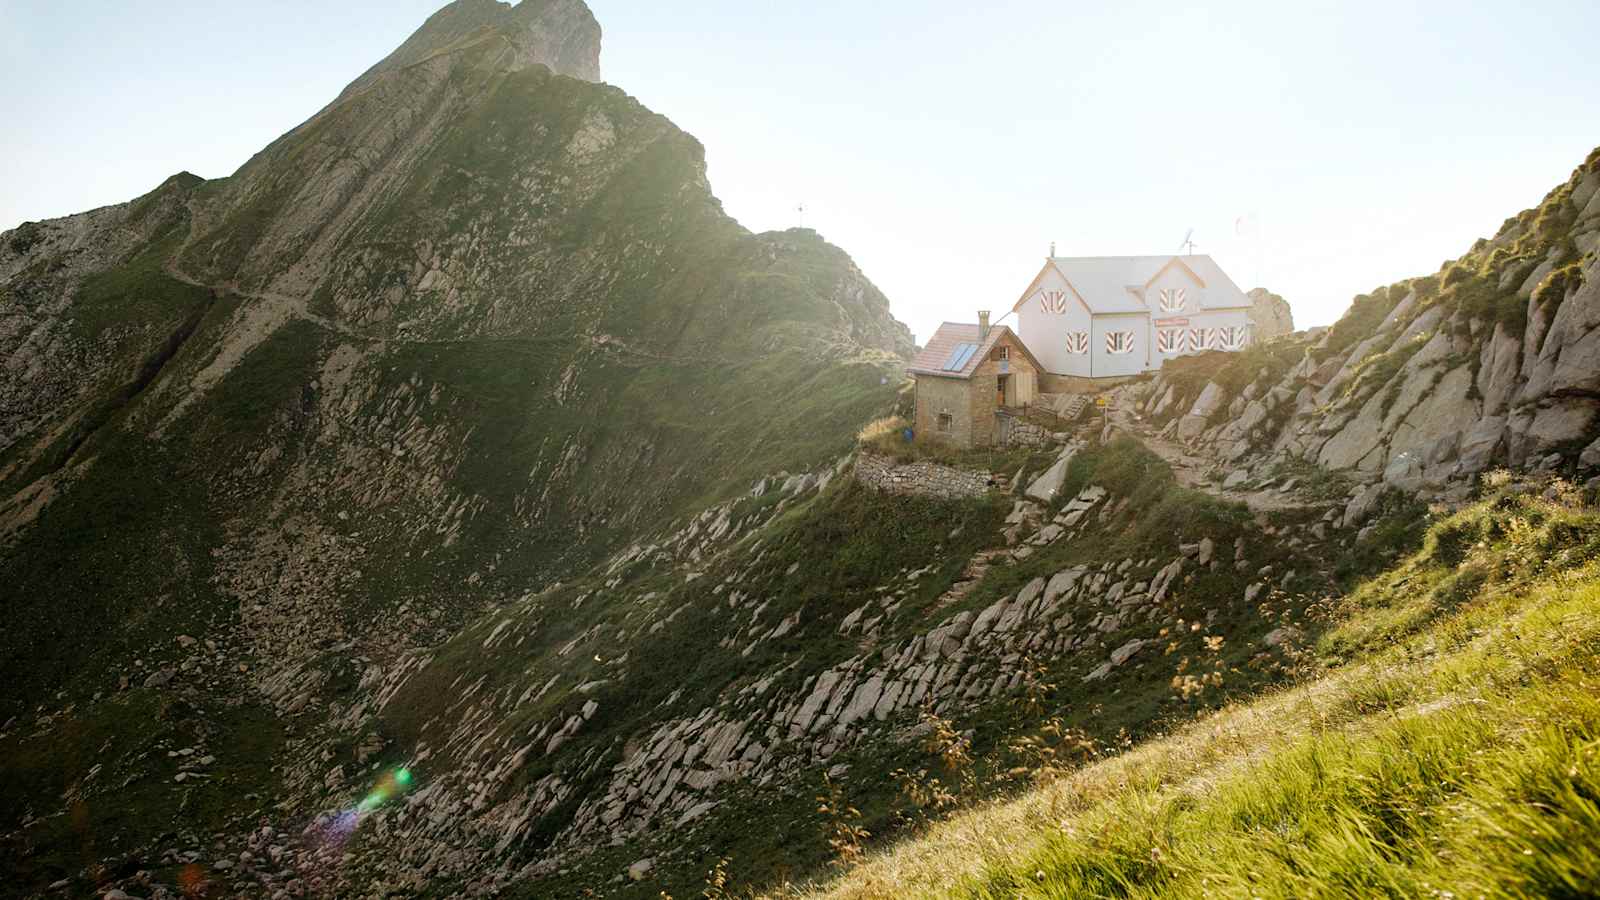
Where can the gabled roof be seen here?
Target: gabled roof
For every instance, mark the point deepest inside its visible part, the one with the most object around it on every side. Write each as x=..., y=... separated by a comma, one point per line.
x=943, y=345
x=1116, y=284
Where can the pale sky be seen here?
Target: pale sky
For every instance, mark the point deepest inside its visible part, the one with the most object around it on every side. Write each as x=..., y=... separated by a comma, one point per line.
x=944, y=145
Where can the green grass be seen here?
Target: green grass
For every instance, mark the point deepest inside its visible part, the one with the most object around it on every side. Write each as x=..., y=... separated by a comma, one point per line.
x=1456, y=753
x=111, y=756
x=1312, y=481
x=1165, y=512
x=1233, y=371
x=1470, y=286
x=137, y=294
x=888, y=440
x=1362, y=319
x=847, y=539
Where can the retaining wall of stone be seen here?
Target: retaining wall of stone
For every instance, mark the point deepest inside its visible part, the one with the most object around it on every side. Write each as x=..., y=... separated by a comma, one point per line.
x=923, y=478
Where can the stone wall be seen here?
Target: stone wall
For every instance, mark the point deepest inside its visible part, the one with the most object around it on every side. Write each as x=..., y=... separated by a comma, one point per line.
x=1050, y=383
x=927, y=479
x=1018, y=433
x=984, y=403
x=937, y=395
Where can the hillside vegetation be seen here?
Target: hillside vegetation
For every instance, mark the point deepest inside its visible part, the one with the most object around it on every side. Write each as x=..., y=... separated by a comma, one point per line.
x=1444, y=740
x=455, y=501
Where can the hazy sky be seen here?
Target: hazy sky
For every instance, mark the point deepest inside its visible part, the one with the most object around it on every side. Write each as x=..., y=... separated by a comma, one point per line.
x=943, y=144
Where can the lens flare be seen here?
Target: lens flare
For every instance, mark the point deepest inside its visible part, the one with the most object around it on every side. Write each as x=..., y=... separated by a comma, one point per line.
x=192, y=880
x=338, y=827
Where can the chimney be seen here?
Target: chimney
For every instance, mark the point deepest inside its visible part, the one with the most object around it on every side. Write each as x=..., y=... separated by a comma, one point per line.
x=1052, y=249
x=983, y=324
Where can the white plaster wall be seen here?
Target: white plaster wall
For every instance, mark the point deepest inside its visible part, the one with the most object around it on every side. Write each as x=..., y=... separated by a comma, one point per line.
x=1045, y=333
x=1192, y=315
x=1212, y=319
x=1130, y=363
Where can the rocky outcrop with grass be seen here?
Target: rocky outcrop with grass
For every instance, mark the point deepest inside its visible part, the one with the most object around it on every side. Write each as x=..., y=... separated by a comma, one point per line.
x=1270, y=316
x=266, y=440
x=1427, y=383
x=455, y=501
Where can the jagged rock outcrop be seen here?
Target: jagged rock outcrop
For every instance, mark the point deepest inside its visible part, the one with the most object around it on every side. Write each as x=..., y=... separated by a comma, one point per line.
x=458, y=475
x=470, y=330
x=561, y=35
x=1270, y=315
x=1427, y=383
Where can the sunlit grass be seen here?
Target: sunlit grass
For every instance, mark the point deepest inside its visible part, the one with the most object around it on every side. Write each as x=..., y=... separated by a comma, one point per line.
x=1458, y=753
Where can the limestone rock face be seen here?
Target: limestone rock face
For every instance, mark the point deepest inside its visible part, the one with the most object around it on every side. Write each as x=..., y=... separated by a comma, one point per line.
x=1568, y=359
x=559, y=34
x=1427, y=383
x=476, y=328
x=1269, y=314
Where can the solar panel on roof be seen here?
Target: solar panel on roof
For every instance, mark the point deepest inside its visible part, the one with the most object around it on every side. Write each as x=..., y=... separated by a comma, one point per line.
x=959, y=357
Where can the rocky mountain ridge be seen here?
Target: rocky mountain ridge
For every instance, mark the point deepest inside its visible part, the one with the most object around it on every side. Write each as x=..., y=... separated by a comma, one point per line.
x=1425, y=384
x=471, y=328
x=466, y=506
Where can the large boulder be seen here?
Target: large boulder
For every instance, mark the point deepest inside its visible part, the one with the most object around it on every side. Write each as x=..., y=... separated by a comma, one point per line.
x=1362, y=504
x=1499, y=365
x=1591, y=455
x=1269, y=314
x=1044, y=488
x=1426, y=412
x=1211, y=399
x=1353, y=444
x=1575, y=337
x=1482, y=445
x=1551, y=426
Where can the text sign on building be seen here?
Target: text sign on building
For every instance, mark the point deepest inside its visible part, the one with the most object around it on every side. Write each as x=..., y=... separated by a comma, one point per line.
x=1177, y=321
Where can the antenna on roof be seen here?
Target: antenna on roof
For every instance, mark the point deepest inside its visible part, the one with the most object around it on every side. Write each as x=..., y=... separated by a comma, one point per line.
x=801, y=209
x=1188, y=242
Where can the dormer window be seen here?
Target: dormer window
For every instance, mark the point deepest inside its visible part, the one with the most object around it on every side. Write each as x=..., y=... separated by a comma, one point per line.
x=1172, y=299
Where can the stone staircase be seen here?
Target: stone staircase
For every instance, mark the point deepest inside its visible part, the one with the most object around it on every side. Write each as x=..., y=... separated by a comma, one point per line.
x=1067, y=406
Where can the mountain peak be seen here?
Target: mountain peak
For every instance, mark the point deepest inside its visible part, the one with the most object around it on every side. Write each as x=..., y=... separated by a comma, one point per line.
x=560, y=34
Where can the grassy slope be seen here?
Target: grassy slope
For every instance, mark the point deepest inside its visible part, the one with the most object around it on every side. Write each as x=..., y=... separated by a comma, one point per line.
x=729, y=331
x=740, y=338
x=1455, y=751
x=850, y=542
